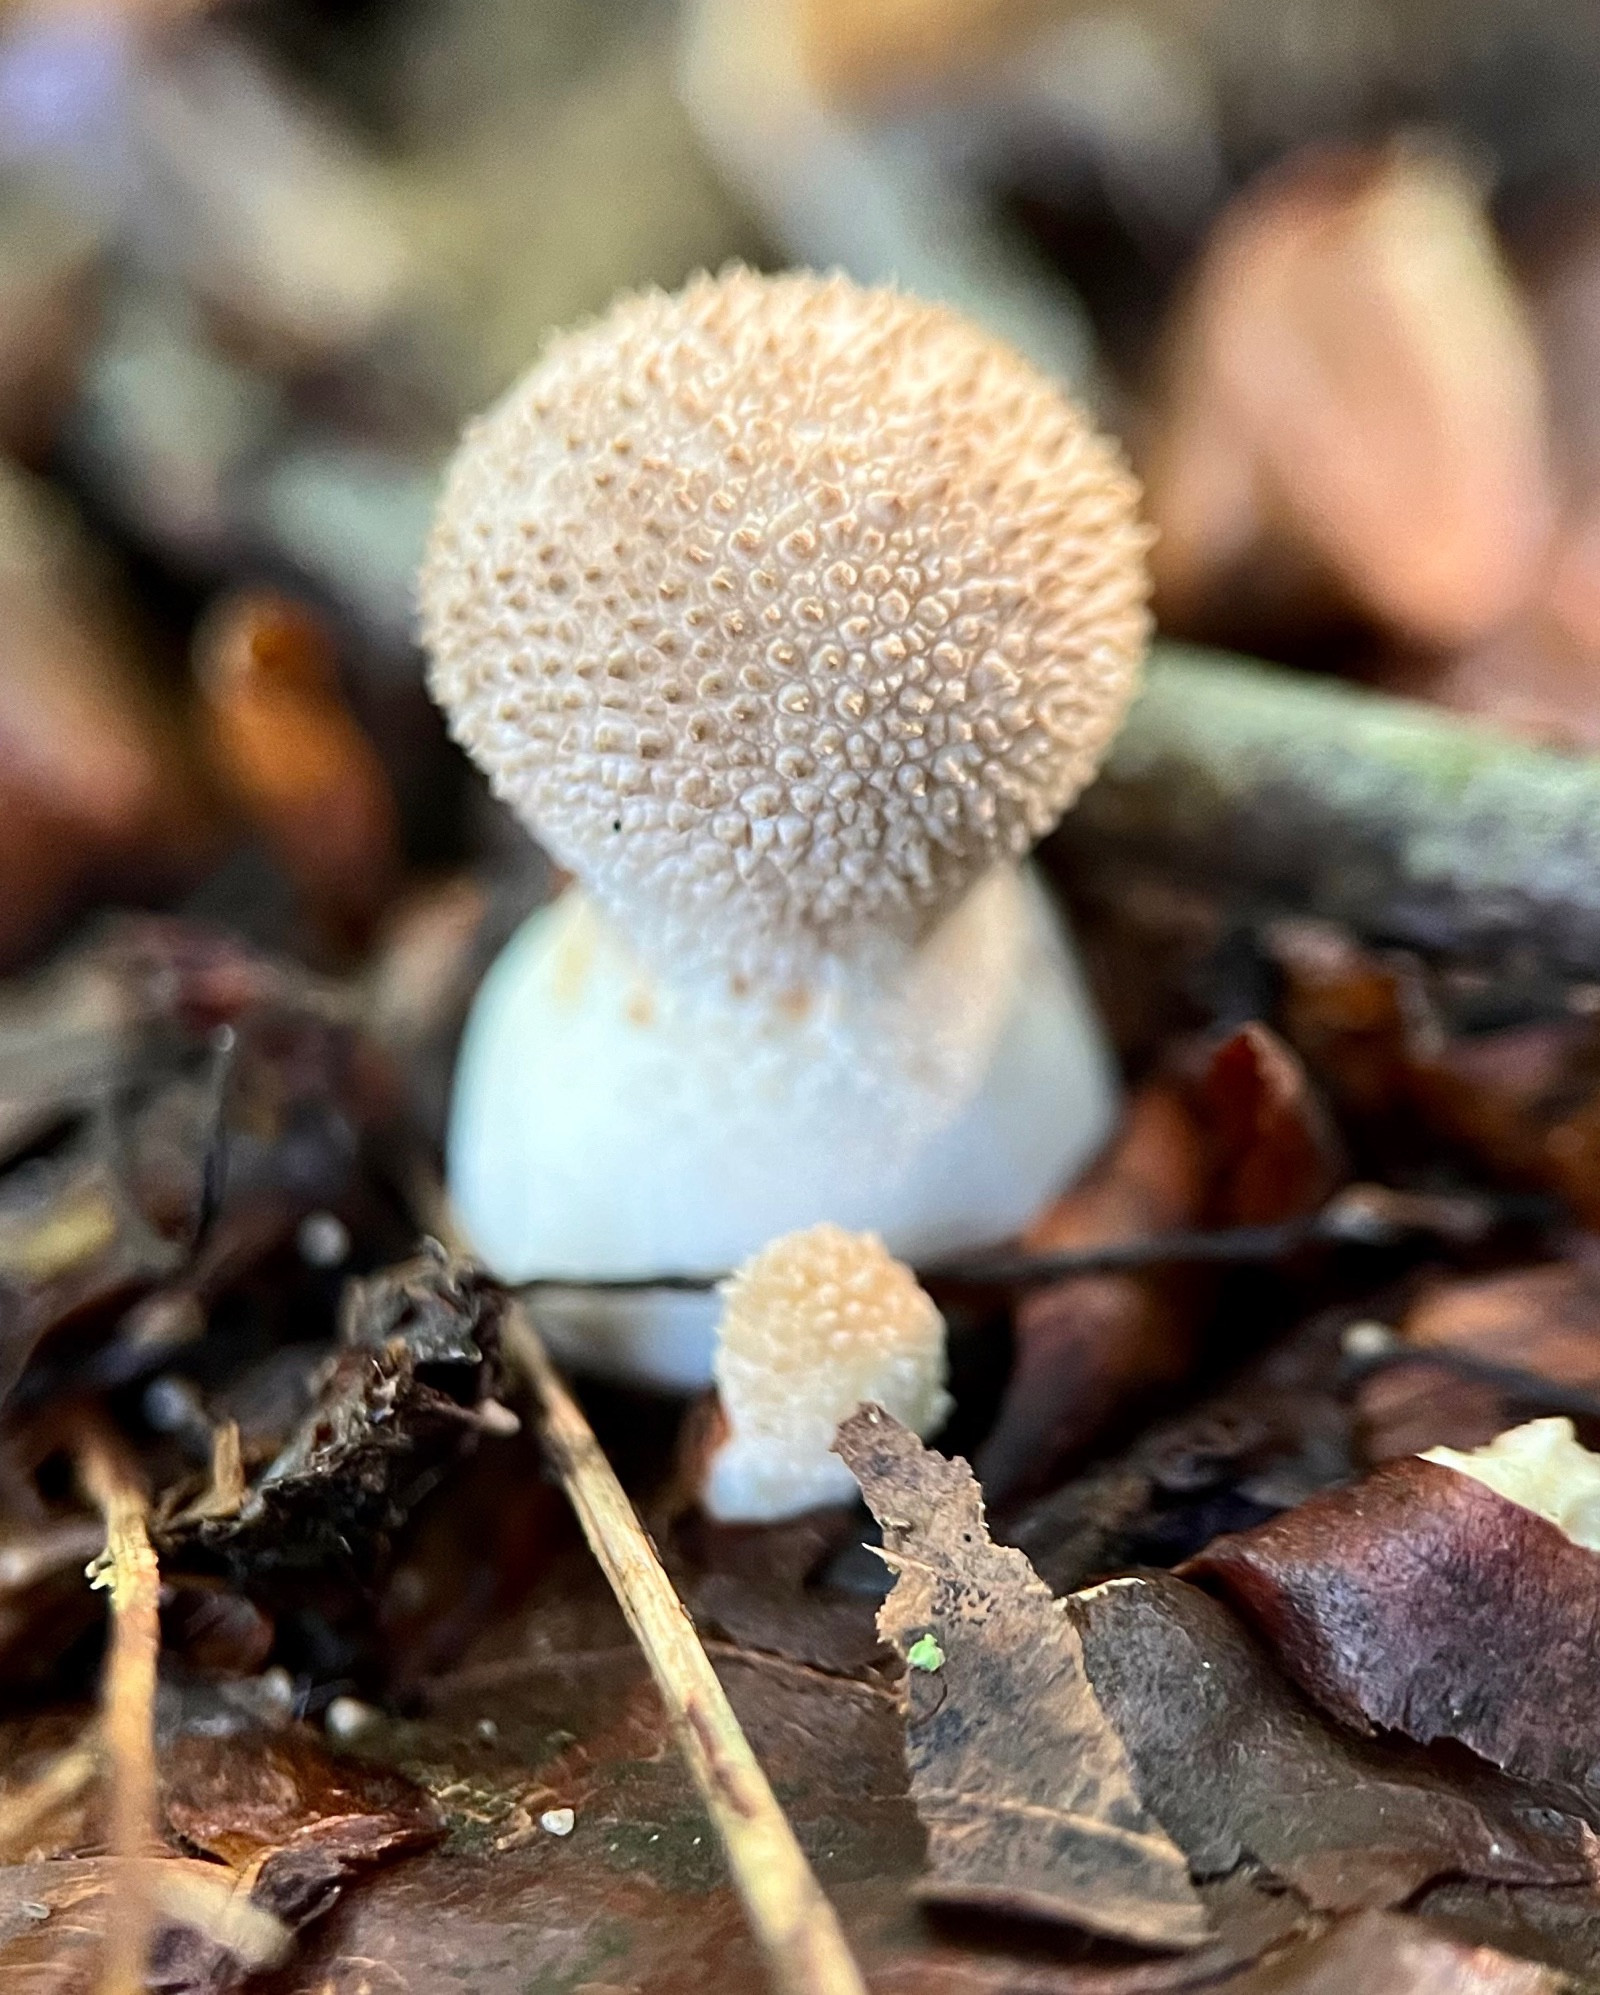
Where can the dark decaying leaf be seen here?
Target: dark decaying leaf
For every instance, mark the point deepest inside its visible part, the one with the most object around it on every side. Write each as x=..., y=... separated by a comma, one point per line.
x=1380, y=1953
x=636, y=1895
x=1028, y=1797
x=44, y=1604
x=999, y=1958
x=418, y=1357
x=752, y=1585
x=283, y=1814
x=1275, y=1153
x=1421, y=1601
x=73, y=1245
x=1235, y=1764
x=1084, y=1346
x=1521, y=1101
x=1406, y=1405
x=1481, y=1353
x=282, y=1824
x=1559, y=1926
x=1243, y=1141
x=194, y=1103
x=53, y=1919
x=1275, y=1434
x=1541, y=1320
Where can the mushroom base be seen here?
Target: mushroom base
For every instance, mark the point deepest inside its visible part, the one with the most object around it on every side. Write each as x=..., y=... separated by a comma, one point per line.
x=607, y=1125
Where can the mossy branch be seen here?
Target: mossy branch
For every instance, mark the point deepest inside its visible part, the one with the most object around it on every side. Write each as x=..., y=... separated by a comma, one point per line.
x=1313, y=796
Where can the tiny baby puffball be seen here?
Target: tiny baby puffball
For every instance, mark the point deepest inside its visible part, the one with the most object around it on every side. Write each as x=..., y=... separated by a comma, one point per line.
x=781, y=609
x=811, y=1326
x=787, y=614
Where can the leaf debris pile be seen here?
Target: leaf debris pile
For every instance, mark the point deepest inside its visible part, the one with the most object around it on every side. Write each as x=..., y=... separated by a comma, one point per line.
x=1199, y=1678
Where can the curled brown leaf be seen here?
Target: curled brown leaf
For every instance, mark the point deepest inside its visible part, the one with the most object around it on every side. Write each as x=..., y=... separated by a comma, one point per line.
x=1024, y=1787
x=1420, y=1601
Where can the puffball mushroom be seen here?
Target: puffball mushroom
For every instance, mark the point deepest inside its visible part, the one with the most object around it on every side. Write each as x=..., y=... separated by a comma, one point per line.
x=811, y=1326
x=787, y=614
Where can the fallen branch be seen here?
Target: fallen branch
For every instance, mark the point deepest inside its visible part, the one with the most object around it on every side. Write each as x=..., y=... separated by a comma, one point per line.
x=793, y=1923
x=1305, y=794
x=127, y=1568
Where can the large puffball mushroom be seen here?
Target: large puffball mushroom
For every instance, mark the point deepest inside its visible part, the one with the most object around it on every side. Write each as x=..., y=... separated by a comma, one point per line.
x=787, y=614
x=811, y=1326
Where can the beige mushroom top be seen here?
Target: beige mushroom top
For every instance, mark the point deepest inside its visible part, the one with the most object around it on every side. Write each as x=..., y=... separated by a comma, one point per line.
x=781, y=609
x=812, y=1325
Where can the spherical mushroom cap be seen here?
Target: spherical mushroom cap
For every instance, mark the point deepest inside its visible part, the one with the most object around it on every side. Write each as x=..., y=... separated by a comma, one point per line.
x=811, y=1326
x=781, y=609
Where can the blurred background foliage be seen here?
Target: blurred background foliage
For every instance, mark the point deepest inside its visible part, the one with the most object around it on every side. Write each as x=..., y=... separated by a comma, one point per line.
x=1332, y=271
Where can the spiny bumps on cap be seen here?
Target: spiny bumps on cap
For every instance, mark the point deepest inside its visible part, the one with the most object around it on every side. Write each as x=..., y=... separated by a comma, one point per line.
x=782, y=608
x=812, y=1325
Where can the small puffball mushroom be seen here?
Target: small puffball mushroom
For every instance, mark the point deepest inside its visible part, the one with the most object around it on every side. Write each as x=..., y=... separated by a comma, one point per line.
x=787, y=614
x=811, y=1326
x=1543, y=1466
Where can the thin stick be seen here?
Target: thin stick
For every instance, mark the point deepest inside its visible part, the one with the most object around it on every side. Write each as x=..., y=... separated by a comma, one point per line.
x=128, y=1569
x=793, y=1922
x=1361, y=1215
x=794, y=1925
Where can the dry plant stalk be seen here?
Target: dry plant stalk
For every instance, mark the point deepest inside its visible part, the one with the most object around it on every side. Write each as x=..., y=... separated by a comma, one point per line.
x=793, y=1923
x=128, y=1569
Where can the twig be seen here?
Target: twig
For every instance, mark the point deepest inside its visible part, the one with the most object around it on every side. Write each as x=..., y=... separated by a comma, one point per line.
x=793, y=1923
x=1531, y=1388
x=127, y=1567
x=1301, y=793
x=1359, y=1216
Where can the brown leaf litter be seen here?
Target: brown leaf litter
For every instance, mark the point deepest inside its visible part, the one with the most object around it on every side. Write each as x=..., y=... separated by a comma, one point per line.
x=1024, y=1786
x=1423, y=1602
x=1240, y=1139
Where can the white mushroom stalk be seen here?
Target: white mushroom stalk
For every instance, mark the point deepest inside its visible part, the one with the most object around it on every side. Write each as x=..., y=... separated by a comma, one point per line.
x=812, y=1326
x=787, y=614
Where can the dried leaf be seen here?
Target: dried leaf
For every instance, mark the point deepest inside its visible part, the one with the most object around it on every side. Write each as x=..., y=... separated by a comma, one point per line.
x=1247, y=1143
x=1405, y=1408
x=754, y=1585
x=1500, y=1349
x=393, y=1409
x=291, y=755
x=74, y=1245
x=1522, y=1101
x=1236, y=1765
x=1275, y=1153
x=1379, y=1953
x=1544, y=1320
x=1355, y=376
x=1026, y=1791
x=1276, y=1434
x=1559, y=1927
x=53, y=1917
x=1083, y=1346
x=1424, y=1602
x=94, y=780
x=556, y=1711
